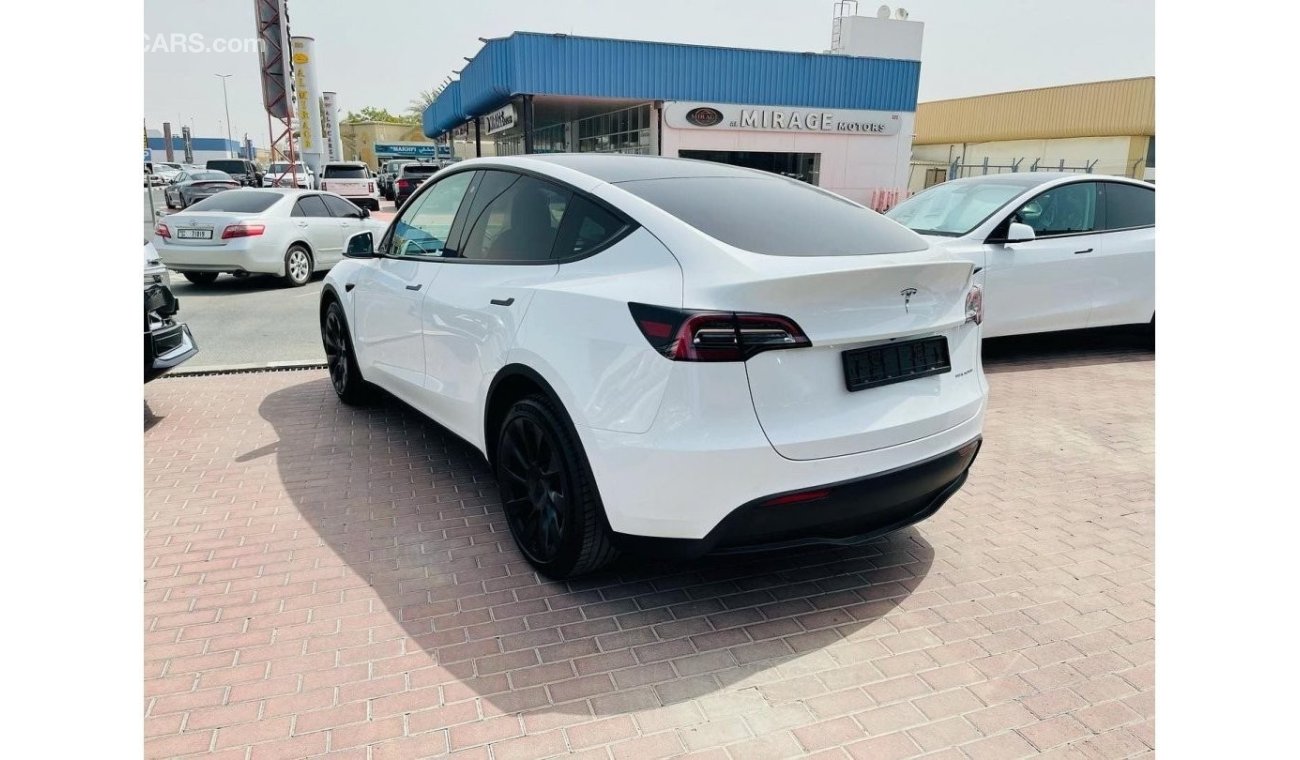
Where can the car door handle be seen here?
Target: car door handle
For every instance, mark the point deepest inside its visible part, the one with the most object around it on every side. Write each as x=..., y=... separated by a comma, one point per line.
x=1085, y=250
x=417, y=286
x=502, y=301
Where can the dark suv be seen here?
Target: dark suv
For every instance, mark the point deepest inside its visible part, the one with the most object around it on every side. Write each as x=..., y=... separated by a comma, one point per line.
x=410, y=177
x=242, y=170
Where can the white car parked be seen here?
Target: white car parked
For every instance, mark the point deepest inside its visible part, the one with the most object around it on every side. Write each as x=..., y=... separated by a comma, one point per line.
x=352, y=180
x=668, y=356
x=290, y=233
x=1053, y=250
x=284, y=174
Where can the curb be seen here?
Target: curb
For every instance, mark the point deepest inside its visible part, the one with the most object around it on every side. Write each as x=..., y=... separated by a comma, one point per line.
x=241, y=369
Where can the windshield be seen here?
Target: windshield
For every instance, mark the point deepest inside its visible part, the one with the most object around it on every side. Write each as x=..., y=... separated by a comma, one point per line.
x=238, y=202
x=955, y=208
x=277, y=168
x=344, y=171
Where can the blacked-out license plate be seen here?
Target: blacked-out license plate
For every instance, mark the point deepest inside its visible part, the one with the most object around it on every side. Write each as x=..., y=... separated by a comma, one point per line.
x=874, y=366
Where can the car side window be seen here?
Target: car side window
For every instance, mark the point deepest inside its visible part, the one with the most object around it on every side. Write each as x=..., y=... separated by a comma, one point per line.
x=1128, y=206
x=1063, y=210
x=341, y=208
x=586, y=227
x=425, y=225
x=310, y=206
x=519, y=225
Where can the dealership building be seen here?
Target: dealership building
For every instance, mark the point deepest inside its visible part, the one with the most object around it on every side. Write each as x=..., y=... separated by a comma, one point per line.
x=842, y=120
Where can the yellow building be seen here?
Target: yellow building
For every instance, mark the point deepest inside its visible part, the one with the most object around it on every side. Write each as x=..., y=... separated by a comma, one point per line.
x=1108, y=127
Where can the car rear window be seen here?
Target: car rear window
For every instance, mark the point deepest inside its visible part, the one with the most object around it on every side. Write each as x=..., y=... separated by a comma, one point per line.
x=776, y=216
x=230, y=167
x=344, y=172
x=424, y=169
x=238, y=202
x=210, y=176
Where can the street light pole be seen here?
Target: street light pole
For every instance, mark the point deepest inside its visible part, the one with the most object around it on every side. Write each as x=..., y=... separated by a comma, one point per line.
x=226, y=100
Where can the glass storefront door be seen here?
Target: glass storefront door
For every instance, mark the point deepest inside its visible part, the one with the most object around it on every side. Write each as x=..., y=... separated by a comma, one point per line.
x=805, y=167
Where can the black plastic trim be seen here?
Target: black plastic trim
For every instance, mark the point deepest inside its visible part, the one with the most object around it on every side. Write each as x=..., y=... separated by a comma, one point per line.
x=855, y=511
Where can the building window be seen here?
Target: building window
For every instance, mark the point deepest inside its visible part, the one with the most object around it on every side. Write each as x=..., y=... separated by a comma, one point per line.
x=624, y=131
x=1151, y=151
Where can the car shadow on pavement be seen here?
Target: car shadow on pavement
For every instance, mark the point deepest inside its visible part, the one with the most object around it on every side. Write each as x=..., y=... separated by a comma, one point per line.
x=1072, y=348
x=414, y=512
x=150, y=419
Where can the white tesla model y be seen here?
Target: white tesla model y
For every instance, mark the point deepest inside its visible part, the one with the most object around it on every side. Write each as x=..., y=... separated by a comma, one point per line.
x=668, y=356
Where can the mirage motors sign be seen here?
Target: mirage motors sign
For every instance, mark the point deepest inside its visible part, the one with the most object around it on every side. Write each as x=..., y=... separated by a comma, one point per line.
x=780, y=119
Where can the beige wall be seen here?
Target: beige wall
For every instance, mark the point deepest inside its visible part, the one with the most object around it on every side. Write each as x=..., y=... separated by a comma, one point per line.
x=1115, y=107
x=1114, y=155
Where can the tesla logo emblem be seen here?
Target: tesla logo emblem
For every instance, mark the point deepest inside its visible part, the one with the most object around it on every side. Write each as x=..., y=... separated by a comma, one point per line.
x=704, y=116
x=907, y=294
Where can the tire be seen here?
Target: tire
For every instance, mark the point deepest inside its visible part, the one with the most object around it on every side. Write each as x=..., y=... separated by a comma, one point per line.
x=548, y=492
x=341, y=358
x=297, y=266
x=168, y=200
x=202, y=278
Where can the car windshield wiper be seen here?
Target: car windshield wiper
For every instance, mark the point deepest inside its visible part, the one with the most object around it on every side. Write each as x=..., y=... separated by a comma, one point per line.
x=942, y=233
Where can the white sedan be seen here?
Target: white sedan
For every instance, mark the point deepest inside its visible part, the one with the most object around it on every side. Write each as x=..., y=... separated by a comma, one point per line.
x=289, y=233
x=655, y=359
x=1054, y=251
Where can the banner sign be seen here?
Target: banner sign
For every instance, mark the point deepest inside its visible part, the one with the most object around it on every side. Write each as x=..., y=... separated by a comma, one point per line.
x=411, y=150
x=780, y=119
x=499, y=120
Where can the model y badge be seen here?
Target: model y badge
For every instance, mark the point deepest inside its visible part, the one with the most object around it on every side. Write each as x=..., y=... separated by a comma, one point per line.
x=907, y=294
x=704, y=116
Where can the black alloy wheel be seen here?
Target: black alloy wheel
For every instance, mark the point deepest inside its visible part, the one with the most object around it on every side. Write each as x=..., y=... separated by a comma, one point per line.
x=538, y=489
x=548, y=492
x=340, y=358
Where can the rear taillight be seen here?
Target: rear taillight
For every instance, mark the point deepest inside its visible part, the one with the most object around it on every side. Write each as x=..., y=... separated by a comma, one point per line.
x=403, y=184
x=975, y=305
x=714, y=336
x=162, y=231
x=242, y=230
x=370, y=185
x=324, y=185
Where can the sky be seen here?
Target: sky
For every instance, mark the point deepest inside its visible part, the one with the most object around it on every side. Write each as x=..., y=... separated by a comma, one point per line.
x=384, y=52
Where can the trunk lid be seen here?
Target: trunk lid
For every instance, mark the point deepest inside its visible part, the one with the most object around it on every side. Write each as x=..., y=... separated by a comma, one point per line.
x=203, y=228
x=844, y=303
x=346, y=187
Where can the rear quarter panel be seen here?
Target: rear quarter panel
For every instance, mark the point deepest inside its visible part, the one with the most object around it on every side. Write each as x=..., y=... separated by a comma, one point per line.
x=579, y=335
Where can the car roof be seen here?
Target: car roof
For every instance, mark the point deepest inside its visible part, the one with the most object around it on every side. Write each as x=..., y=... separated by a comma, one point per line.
x=345, y=163
x=624, y=167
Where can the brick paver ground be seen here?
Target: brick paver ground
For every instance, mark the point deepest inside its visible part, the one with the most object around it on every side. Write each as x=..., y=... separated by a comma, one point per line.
x=327, y=581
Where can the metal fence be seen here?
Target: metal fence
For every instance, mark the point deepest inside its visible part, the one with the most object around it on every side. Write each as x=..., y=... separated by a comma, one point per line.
x=957, y=169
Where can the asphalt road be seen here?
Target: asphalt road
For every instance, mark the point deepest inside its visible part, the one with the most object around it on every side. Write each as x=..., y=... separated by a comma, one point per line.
x=253, y=320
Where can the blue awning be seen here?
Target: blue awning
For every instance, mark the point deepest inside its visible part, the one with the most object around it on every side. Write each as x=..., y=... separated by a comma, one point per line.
x=593, y=67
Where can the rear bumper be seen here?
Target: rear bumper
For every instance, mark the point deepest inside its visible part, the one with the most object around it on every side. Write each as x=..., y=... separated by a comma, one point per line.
x=706, y=456
x=263, y=259
x=167, y=346
x=846, y=512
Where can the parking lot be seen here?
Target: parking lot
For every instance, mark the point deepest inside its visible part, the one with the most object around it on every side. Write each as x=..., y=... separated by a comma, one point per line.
x=255, y=319
x=322, y=579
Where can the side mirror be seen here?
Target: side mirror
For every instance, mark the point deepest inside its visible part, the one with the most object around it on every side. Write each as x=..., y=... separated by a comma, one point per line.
x=365, y=213
x=361, y=245
x=1019, y=232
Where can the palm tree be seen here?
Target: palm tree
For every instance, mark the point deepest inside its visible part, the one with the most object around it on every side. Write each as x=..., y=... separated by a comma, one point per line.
x=422, y=101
